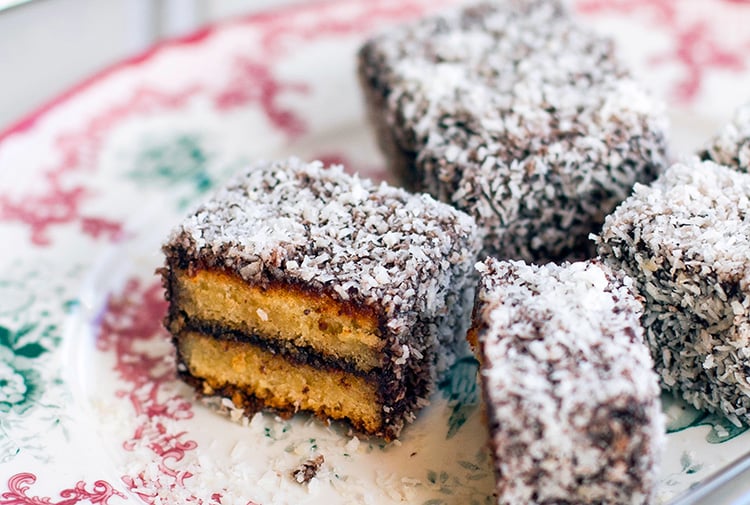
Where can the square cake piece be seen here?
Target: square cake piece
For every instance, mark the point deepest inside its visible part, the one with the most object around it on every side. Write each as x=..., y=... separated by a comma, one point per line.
x=572, y=400
x=302, y=288
x=731, y=147
x=685, y=240
x=514, y=114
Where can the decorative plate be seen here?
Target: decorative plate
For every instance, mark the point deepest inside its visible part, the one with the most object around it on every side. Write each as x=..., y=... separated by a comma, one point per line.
x=90, y=410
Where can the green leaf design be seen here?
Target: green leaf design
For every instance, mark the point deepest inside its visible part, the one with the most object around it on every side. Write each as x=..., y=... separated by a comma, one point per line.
x=468, y=465
x=463, y=482
x=4, y=337
x=431, y=476
x=460, y=388
x=19, y=388
x=185, y=160
x=722, y=429
x=681, y=416
x=459, y=416
x=689, y=466
x=31, y=350
x=203, y=182
x=23, y=331
x=181, y=159
x=69, y=305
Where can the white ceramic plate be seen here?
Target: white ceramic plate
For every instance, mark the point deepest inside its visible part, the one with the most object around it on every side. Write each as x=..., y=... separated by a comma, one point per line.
x=90, y=185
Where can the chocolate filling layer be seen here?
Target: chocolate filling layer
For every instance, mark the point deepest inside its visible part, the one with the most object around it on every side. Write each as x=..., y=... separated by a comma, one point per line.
x=179, y=258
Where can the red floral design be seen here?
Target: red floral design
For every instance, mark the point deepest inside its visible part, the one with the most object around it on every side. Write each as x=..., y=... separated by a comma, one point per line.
x=131, y=320
x=253, y=82
x=664, y=11
x=698, y=49
x=56, y=206
x=39, y=212
x=19, y=484
x=280, y=27
x=57, y=203
x=131, y=328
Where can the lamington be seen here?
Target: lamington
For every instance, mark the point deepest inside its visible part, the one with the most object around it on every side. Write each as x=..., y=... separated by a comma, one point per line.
x=731, y=146
x=513, y=113
x=571, y=398
x=301, y=288
x=685, y=241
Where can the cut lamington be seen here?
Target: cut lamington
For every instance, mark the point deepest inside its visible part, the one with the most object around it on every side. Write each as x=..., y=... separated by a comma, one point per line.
x=572, y=400
x=731, y=147
x=302, y=288
x=511, y=112
x=685, y=240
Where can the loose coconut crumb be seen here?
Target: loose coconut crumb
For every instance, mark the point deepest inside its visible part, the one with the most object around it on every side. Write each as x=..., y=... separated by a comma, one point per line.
x=304, y=473
x=398, y=489
x=685, y=241
x=226, y=407
x=516, y=115
x=571, y=397
x=731, y=147
x=352, y=445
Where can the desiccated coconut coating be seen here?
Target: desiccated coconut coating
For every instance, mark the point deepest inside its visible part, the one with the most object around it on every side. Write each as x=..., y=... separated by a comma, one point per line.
x=571, y=396
x=513, y=113
x=407, y=258
x=731, y=147
x=685, y=240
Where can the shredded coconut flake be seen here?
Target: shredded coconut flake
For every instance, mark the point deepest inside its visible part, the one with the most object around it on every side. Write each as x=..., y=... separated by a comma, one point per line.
x=513, y=113
x=406, y=257
x=570, y=391
x=679, y=239
x=731, y=147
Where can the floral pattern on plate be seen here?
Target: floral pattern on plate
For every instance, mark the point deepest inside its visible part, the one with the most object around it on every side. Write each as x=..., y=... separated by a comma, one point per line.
x=90, y=410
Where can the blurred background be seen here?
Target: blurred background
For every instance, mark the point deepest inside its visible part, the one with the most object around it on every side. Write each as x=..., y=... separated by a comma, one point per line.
x=50, y=45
